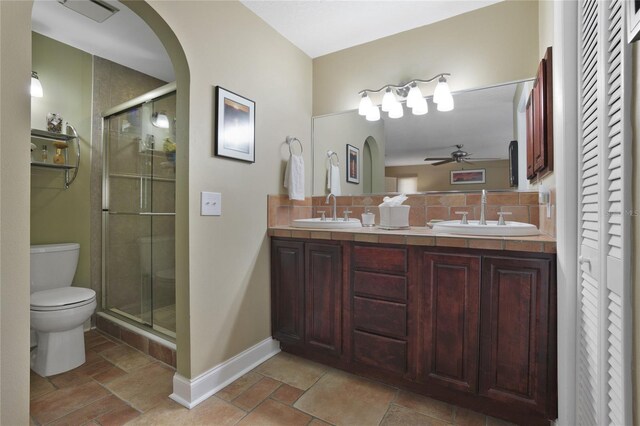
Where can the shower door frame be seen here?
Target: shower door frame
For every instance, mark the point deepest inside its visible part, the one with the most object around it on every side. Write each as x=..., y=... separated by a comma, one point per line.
x=130, y=104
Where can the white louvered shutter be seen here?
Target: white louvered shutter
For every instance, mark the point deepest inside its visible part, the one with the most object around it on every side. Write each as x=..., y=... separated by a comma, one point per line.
x=604, y=326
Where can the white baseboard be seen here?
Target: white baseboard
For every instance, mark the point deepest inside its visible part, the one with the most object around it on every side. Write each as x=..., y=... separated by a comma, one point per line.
x=191, y=392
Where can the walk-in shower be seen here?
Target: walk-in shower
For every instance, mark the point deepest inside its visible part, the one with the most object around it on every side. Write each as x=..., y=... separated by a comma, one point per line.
x=138, y=211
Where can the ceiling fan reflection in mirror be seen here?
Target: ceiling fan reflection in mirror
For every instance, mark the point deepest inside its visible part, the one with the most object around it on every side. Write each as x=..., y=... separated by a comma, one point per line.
x=458, y=156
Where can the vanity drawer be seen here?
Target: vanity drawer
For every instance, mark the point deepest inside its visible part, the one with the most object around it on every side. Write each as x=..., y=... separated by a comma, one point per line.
x=381, y=317
x=383, y=259
x=381, y=352
x=386, y=286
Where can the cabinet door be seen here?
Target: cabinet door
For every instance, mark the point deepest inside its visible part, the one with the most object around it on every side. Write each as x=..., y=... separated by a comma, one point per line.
x=323, y=299
x=287, y=291
x=530, y=137
x=450, y=317
x=539, y=119
x=514, y=348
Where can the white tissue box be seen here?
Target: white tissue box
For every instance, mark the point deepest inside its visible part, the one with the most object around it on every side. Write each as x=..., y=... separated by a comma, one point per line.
x=394, y=217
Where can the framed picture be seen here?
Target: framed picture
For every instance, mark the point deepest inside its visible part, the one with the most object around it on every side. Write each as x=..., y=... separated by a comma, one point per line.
x=633, y=20
x=235, y=135
x=353, y=164
x=464, y=177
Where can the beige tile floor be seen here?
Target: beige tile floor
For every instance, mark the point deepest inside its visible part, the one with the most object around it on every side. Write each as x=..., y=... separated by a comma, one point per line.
x=120, y=385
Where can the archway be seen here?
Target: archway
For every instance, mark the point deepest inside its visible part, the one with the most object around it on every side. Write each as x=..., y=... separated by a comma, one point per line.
x=372, y=167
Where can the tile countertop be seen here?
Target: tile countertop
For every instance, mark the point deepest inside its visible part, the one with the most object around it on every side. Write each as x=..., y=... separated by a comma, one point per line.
x=420, y=236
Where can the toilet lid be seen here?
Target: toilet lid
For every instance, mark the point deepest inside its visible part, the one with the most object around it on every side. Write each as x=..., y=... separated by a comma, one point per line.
x=60, y=297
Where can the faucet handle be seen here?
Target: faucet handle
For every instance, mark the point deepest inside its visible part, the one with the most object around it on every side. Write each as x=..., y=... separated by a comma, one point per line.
x=464, y=217
x=346, y=215
x=322, y=216
x=501, y=218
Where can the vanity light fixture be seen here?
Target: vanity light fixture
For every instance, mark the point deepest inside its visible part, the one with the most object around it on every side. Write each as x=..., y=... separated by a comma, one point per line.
x=373, y=114
x=413, y=95
x=36, y=86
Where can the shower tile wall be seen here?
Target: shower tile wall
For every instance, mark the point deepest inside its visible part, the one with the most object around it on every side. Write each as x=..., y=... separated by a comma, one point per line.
x=113, y=84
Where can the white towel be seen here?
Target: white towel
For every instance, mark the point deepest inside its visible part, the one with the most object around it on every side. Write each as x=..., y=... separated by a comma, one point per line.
x=333, y=180
x=294, y=177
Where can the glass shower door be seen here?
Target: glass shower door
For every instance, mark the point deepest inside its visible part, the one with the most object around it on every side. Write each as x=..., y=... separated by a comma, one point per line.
x=138, y=213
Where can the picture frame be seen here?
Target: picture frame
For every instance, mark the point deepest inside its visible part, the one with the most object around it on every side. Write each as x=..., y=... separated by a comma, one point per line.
x=466, y=177
x=353, y=164
x=234, y=132
x=632, y=12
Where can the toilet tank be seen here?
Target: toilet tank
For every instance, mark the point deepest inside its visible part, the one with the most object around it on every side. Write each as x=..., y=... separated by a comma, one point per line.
x=53, y=265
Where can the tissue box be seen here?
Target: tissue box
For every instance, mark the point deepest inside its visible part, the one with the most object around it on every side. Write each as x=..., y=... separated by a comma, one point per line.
x=394, y=217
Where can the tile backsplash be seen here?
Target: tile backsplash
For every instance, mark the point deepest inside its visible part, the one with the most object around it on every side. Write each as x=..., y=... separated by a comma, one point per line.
x=523, y=207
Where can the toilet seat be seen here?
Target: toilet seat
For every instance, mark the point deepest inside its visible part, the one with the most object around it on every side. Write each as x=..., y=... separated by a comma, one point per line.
x=61, y=298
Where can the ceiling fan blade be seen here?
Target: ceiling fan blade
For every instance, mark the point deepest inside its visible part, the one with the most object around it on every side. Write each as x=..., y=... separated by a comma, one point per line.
x=486, y=159
x=437, y=158
x=450, y=160
x=467, y=161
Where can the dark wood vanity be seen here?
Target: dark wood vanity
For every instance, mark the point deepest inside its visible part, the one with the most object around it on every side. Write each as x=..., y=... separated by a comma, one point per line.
x=476, y=328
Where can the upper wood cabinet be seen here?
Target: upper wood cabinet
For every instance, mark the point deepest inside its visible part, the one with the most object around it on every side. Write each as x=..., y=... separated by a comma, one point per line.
x=539, y=118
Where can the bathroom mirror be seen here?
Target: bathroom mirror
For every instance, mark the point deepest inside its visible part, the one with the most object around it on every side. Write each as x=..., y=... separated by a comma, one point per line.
x=484, y=121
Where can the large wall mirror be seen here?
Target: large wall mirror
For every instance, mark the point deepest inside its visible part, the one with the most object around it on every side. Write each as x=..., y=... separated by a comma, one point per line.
x=483, y=124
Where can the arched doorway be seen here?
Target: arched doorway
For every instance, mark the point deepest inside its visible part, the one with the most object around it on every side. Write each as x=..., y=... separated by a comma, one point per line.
x=372, y=167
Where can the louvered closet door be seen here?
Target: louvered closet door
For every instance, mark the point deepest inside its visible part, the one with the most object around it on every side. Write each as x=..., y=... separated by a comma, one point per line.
x=604, y=328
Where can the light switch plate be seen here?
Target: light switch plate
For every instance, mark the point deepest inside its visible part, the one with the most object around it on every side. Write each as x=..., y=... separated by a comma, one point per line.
x=210, y=204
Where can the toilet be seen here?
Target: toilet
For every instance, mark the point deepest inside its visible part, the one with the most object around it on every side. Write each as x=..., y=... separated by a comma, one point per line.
x=58, y=311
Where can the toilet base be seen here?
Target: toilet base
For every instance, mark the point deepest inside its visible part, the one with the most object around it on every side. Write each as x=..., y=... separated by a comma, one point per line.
x=58, y=352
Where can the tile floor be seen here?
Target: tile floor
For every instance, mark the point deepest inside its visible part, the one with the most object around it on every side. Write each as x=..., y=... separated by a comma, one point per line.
x=120, y=385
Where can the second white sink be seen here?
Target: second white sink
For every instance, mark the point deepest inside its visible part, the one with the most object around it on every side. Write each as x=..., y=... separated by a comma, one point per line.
x=316, y=222
x=510, y=229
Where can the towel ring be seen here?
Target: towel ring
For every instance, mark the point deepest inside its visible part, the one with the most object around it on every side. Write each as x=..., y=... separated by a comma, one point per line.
x=331, y=155
x=291, y=140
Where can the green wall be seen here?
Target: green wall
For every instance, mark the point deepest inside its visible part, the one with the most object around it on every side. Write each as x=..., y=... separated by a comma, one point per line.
x=58, y=214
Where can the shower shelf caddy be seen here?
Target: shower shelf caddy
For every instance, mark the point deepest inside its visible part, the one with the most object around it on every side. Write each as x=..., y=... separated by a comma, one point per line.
x=68, y=168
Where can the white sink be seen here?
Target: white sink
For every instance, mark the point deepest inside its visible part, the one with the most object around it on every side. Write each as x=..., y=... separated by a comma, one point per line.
x=510, y=229
x=317, y=222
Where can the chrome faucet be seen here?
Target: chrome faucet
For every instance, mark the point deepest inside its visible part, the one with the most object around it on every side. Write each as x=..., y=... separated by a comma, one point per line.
x=483, y=207
x=335, y=216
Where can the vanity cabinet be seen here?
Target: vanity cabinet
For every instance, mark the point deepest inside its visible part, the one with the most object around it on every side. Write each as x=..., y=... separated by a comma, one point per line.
x=379, y=303
x=322, y=295
x=287, y=291
x=475, y=328
x=306, y=288
x=450, y=318
x=518, y=346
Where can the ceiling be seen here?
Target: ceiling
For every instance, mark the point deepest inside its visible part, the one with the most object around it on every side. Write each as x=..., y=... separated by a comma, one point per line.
x=317, y=27
x=320, y=27
x=123, y=38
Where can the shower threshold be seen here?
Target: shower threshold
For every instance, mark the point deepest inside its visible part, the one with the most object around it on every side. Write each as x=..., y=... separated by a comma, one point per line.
x=134, y=324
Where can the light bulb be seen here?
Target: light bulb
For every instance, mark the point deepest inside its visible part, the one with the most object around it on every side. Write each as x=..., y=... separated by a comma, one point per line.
x=414, y=96
x=396, y=110
x=421, y=108
x=388, y=100
x=365, y=104
x=36, y=86
x=373, y=114
x=442, y=91
x=446, y=104
x=160, y=120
